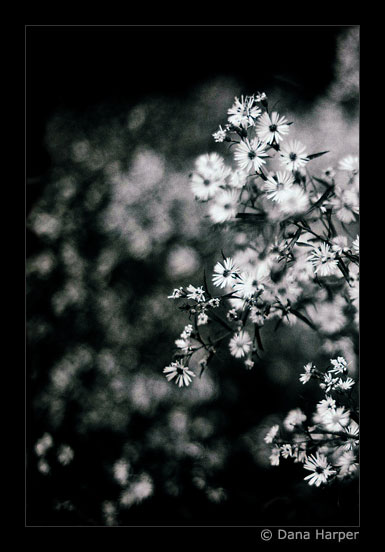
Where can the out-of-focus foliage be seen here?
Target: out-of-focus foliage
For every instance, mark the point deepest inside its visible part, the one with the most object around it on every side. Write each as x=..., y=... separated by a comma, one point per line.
x=110, y=441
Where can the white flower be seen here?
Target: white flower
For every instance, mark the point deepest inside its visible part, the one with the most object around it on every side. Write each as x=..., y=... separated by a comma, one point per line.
x=243, y=112
x=328, y=316
x=182, y=373
x=306, y=376
x=237, y=179
x=271, y=434
x=205, y=187
x=293, y=201
x=196, y=293
x=286, y=451
x=329, y=172
x=274, y=456
x=210, y=165
x=202, y=319
x=349, y=163
x=340, y=244
x=340, y=365
x=347, y=464
x=249, y=364
x=323, y=260
x=240, y=344
x=249, y=154
x=336, y=419
x=295, y=417
x=329, y=383
x=318, y=464
x=325, y=405
x=225, y=206
x=43, y=444
x=277, y=186
x=65, y=454
x=345, y=205
x=293, y=155
x=345, y=385
x=260, y=97
x=220, y=135
x=353, y=430
x=272, y=127
x=225, y=273
x=249, y=284
x=176, y=293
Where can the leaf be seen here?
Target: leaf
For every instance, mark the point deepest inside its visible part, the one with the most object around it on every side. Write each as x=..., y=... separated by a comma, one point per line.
x=258, y=337
x=314, y=155
x=205, y=284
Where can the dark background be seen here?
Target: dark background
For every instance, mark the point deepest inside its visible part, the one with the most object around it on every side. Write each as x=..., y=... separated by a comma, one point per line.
x=86, y=77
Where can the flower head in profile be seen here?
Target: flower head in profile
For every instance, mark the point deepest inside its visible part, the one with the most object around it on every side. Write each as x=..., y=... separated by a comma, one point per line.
x=180, y=372
x=225, y=273
x=276, y=186
x=293, y=155
x=294, y=418
x=323, y=260
x=271, y=434
x=249, y=155
x=243, y=112
x=272, y=127
x=240, y=344
x=349, y=163
x=320, y=467
x=306, y=376
x=225, y=206
x=274, y=456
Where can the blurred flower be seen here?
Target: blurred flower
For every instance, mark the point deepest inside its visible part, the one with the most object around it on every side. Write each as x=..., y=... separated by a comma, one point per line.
x=240, y=344
x=293, y=155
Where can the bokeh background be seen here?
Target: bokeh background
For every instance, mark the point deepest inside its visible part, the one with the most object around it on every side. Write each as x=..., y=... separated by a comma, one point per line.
x=115, y=119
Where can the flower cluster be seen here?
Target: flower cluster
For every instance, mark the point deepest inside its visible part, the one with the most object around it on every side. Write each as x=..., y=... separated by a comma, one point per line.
x=293, y=260
x=327, y=442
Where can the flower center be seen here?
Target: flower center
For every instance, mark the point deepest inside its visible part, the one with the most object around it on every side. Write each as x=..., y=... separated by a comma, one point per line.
x=226, y=273
x=273, y=128
x=206, y=182
x=179, y=370
x=293, y=156
x=252, y=154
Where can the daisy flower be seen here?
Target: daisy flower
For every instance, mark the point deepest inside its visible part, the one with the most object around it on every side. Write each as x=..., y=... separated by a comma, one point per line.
x=347, y=464
x=243, y=112
x=271, y=434
x=237, y=179
x=182, y=373
x=225, y=273
x=240, y=344
x=340, y=244
x=340, y=365
x=306, y=376
x=225, y=206
x=209, y=164
x=329, y=172
x=345, y=205
x=345, y=385
x=325, y=405
x=271, y=127
x=349, y=163
x=276, y=186
x=293, y=155
x=293, y=201
x=249, y=283
x=353, y=431
x=195, y=293
x=336, y=419
x=295, y=417
x=328, y=316
x=249, y=154
x=286, y=450
x=318, y=464
x=323, y=260
x=204, y=188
